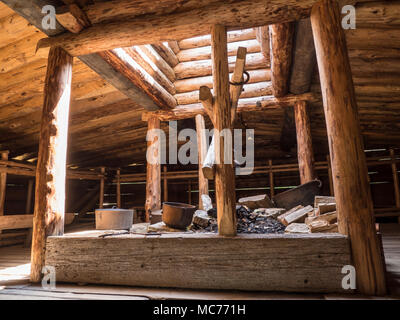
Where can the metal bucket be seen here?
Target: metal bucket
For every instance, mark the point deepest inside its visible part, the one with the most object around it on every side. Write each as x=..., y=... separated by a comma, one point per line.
x=114, y=219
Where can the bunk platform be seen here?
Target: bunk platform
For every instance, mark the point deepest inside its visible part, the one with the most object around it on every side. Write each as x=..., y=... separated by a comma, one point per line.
x=267, y=262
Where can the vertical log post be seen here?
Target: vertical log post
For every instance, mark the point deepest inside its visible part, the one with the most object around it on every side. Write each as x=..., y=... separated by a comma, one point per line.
x=271, y=179
x=165, y=184
x=49, y=210
x=202, y=152
x=28, y=206
x=395, y=180
x=153, y=173
x=281, y=42
x=3, y=184
x=101, y=196
x=349, y=167
x=119, y=204
x=224, y=173
x=190, y=192
x=305, y=152
x=328, y=160
x=29, y=197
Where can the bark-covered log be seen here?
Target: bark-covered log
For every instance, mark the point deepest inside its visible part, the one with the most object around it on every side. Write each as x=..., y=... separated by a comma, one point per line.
x=25, y=221
x=263, y=39
x=158, y=61
x=3, y=183
x=119, y=204
x=236, y=83
x=124, y=63
x=32, y=12
x=203, y=68
x=151, y=68
x=304, y=59
x=202, y=151
x=51, y=166
x=204, y=53
x=153, y=171
x=166, y=53
x=245, y=105
x=105, y=11
x=251, y=90
x=281, y=40
x=225, y=174
x=29, y=194
x=72, y=18
x=349, y=168
x=203, y=41
x=174, y=46
x=305, y=152
x=101, y=190
x=192, y=84
x=177, y=26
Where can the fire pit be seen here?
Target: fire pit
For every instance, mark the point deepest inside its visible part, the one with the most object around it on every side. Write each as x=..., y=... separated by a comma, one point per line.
x=248, y=221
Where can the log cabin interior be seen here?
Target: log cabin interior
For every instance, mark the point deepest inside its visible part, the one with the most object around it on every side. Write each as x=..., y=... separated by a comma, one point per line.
x=83, y=83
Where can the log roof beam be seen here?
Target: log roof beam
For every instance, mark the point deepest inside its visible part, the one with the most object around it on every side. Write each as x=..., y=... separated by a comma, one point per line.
x=176, y=26
x=32, y=11
x=72, y=17
x=245, y=105
x=281, y=36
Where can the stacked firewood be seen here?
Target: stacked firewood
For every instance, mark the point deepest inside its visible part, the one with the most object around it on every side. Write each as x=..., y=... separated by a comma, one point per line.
x=321, y=217
x=257, y=214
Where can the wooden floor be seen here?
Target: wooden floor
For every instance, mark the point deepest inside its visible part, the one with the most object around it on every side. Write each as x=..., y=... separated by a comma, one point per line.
x=15, y=265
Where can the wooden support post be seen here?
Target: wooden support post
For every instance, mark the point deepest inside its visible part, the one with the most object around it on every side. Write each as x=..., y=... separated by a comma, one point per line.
x=101, y=196
x=202, y=152
x=281, y=42
x=29, y=194
x=207, y=100
x=153, y=174
x=271, y=179
x=349, y=166
x=224, y=173
x=51, y=166
x=262, y=36
x=305, y=152
x=328, y=160
x=119, y=204
x=28, y=207
x=165, y=184
x=395, y=180
x=3, y=184
x=304, y=61
x=152, y=28
x=237, y=77
x=190, y=191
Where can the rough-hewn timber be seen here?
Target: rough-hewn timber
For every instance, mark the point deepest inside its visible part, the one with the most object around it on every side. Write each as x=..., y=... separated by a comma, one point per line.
x=349, y=168
x=291, y=263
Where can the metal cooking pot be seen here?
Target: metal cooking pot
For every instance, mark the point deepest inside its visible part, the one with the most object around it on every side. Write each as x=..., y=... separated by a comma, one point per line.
x=177, y=215
x=114, y=219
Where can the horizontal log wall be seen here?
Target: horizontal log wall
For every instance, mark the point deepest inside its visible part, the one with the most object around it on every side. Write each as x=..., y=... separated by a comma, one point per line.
x=285, y=175
x=15, y=168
